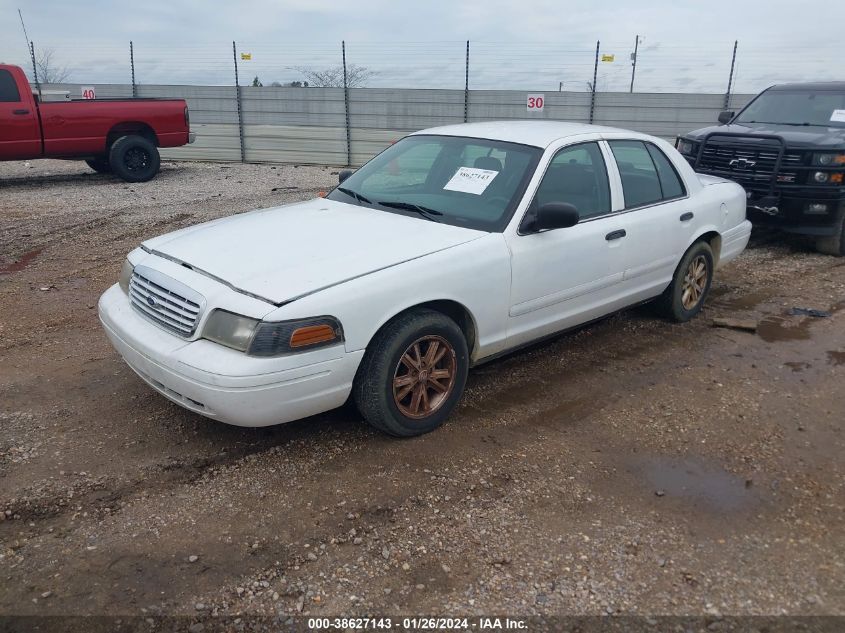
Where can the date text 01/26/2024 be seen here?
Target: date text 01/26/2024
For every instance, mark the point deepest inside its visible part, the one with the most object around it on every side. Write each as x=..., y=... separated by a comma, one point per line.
x=418, y=624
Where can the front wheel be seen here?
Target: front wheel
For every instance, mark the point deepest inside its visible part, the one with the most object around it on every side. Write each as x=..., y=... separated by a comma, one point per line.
x=685, y=296
x=413, y=374
x=134, y=159
x=834, y=244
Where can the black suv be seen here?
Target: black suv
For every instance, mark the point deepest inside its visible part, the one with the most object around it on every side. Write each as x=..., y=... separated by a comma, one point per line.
x=787, y=149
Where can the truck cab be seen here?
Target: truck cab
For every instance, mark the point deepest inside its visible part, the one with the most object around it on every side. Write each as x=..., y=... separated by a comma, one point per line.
x=787, y=150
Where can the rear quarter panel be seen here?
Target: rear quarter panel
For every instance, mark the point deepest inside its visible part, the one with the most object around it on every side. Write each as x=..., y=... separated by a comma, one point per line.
x=80, y=128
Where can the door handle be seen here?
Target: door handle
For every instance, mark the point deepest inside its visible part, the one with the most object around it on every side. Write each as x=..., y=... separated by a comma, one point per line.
x=615, y=235
x=20, y=111
x=686, y=217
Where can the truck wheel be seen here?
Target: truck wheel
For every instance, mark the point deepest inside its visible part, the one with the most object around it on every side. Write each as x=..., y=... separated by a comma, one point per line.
x=99, y=164
x=685, y=296
x=134, y=159
x=834, y=244
x=413, y=374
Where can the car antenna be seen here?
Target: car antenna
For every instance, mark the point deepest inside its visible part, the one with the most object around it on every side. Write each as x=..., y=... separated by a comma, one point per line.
x=31, y=47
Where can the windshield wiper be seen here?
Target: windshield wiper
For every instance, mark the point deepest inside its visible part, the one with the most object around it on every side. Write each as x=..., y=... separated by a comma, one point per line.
x=425, y=212
x=354, y=194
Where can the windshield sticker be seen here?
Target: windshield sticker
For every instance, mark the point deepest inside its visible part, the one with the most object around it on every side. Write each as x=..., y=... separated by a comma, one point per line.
x=838, y=115
x=471, y=180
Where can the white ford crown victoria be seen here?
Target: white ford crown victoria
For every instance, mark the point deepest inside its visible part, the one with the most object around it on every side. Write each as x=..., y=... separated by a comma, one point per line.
x=453, y=246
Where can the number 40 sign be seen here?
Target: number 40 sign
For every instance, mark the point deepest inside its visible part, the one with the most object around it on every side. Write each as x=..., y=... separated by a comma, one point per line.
x=536, y=102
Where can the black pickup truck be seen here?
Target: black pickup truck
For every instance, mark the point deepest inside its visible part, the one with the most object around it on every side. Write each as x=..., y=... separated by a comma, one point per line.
x=787, y=149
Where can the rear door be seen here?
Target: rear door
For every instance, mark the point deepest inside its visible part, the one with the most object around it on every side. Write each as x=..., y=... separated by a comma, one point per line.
x=659, y=221
x=20, y=138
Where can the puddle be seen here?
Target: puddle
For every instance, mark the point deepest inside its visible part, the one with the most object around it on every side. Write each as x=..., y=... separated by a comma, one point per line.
x=775, y=329
x=694, y=480
x=836, y=358
x=22, y=262
x=747, y=301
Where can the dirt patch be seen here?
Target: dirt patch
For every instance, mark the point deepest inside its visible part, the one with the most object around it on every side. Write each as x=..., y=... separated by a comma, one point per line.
x=633, y=466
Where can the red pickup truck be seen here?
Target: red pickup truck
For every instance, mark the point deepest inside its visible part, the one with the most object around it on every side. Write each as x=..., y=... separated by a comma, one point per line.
x=120, y=136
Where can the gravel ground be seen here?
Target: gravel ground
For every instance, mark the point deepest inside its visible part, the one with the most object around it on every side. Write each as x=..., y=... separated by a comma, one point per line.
x=632, y=467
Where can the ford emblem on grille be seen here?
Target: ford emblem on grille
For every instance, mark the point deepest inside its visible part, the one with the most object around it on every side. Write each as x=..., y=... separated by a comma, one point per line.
x=152, y=302
x=742, y=163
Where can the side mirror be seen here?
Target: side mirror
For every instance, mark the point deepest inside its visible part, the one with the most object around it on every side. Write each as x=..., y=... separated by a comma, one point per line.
x=343, y=175
x=556, y=215
x=726, y=116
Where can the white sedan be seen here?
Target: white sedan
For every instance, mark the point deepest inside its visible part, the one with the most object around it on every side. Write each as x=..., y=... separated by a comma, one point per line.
x=452, y=247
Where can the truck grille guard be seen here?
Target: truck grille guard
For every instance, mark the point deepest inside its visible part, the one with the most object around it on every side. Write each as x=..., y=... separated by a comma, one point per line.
x=760, y=181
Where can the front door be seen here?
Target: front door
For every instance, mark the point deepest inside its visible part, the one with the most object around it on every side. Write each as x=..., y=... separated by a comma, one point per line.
x=20, y=138
x=564, y=277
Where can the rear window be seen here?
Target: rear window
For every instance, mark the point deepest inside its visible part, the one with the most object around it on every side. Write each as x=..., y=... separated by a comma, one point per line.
x=8, y=87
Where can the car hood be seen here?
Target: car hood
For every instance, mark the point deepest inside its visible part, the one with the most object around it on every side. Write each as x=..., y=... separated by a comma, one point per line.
x=795, y=137
x=283, y=253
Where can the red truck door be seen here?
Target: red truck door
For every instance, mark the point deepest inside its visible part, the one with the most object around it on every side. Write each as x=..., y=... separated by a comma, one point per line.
x=20, y=137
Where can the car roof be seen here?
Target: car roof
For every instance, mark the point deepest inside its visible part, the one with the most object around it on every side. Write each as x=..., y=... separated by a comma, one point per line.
x=814, y=85
x=537, y=133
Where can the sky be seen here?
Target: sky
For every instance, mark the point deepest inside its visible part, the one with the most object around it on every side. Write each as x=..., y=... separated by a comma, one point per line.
x=525, y=44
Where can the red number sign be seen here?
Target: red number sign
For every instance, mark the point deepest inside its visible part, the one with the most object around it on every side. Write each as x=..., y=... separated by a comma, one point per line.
x=88, y=93
x=535, y=103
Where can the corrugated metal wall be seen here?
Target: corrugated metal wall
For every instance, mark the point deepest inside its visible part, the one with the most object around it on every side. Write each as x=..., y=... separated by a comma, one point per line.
x=308, y=125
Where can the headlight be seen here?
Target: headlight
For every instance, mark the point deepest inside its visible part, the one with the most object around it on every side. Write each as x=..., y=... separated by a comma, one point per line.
x=229, y=329
x=267, y=338
x=820, y=177
x=685, y=147
x=828, y=159
x=125, y=275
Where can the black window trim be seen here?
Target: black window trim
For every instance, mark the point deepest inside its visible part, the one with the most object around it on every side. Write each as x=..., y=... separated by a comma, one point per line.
x=530, y=207
x=655, y=203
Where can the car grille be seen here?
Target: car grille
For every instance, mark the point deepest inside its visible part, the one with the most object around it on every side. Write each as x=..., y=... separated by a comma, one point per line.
x=163, y=306
x=748, y=165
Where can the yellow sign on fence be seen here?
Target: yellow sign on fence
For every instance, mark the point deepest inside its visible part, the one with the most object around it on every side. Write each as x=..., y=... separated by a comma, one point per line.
x=246, y=56
x=607, y=58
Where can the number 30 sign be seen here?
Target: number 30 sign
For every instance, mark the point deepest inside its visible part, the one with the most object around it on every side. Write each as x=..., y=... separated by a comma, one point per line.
x=536, y=102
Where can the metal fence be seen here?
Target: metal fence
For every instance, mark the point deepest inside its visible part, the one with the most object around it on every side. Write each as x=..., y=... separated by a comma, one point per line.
x=333, y=126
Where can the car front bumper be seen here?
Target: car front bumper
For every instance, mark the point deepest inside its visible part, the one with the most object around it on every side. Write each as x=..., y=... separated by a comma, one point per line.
x=223, y=384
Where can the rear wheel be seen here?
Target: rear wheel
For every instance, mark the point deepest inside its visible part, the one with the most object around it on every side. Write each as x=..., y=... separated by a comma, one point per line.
x=834, y=244
x=685, y=296
x=134, y=158
x=413, y=374
x=100, y=164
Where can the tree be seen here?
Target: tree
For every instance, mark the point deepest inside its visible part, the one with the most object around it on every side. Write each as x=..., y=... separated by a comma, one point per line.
x=333, y=77
x=256, y=83
x=49, y=72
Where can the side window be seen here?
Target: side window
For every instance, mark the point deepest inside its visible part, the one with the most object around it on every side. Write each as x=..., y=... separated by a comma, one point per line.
x=577, y=175
x=640, y=183
x=670, y=181
x=8, y=88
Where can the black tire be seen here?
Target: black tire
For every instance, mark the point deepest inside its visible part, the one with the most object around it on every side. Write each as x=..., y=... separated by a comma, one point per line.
x=99, y=164
x=671, y=303
x=374, y=391
x=134, y=159
x=834, y=244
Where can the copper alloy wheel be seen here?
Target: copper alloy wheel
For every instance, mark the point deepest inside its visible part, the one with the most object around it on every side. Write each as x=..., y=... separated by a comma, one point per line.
x=424, y=377
x=695, y=281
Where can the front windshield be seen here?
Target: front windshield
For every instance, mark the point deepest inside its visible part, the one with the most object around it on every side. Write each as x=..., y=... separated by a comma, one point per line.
x=470, y=182
x=823, y=107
